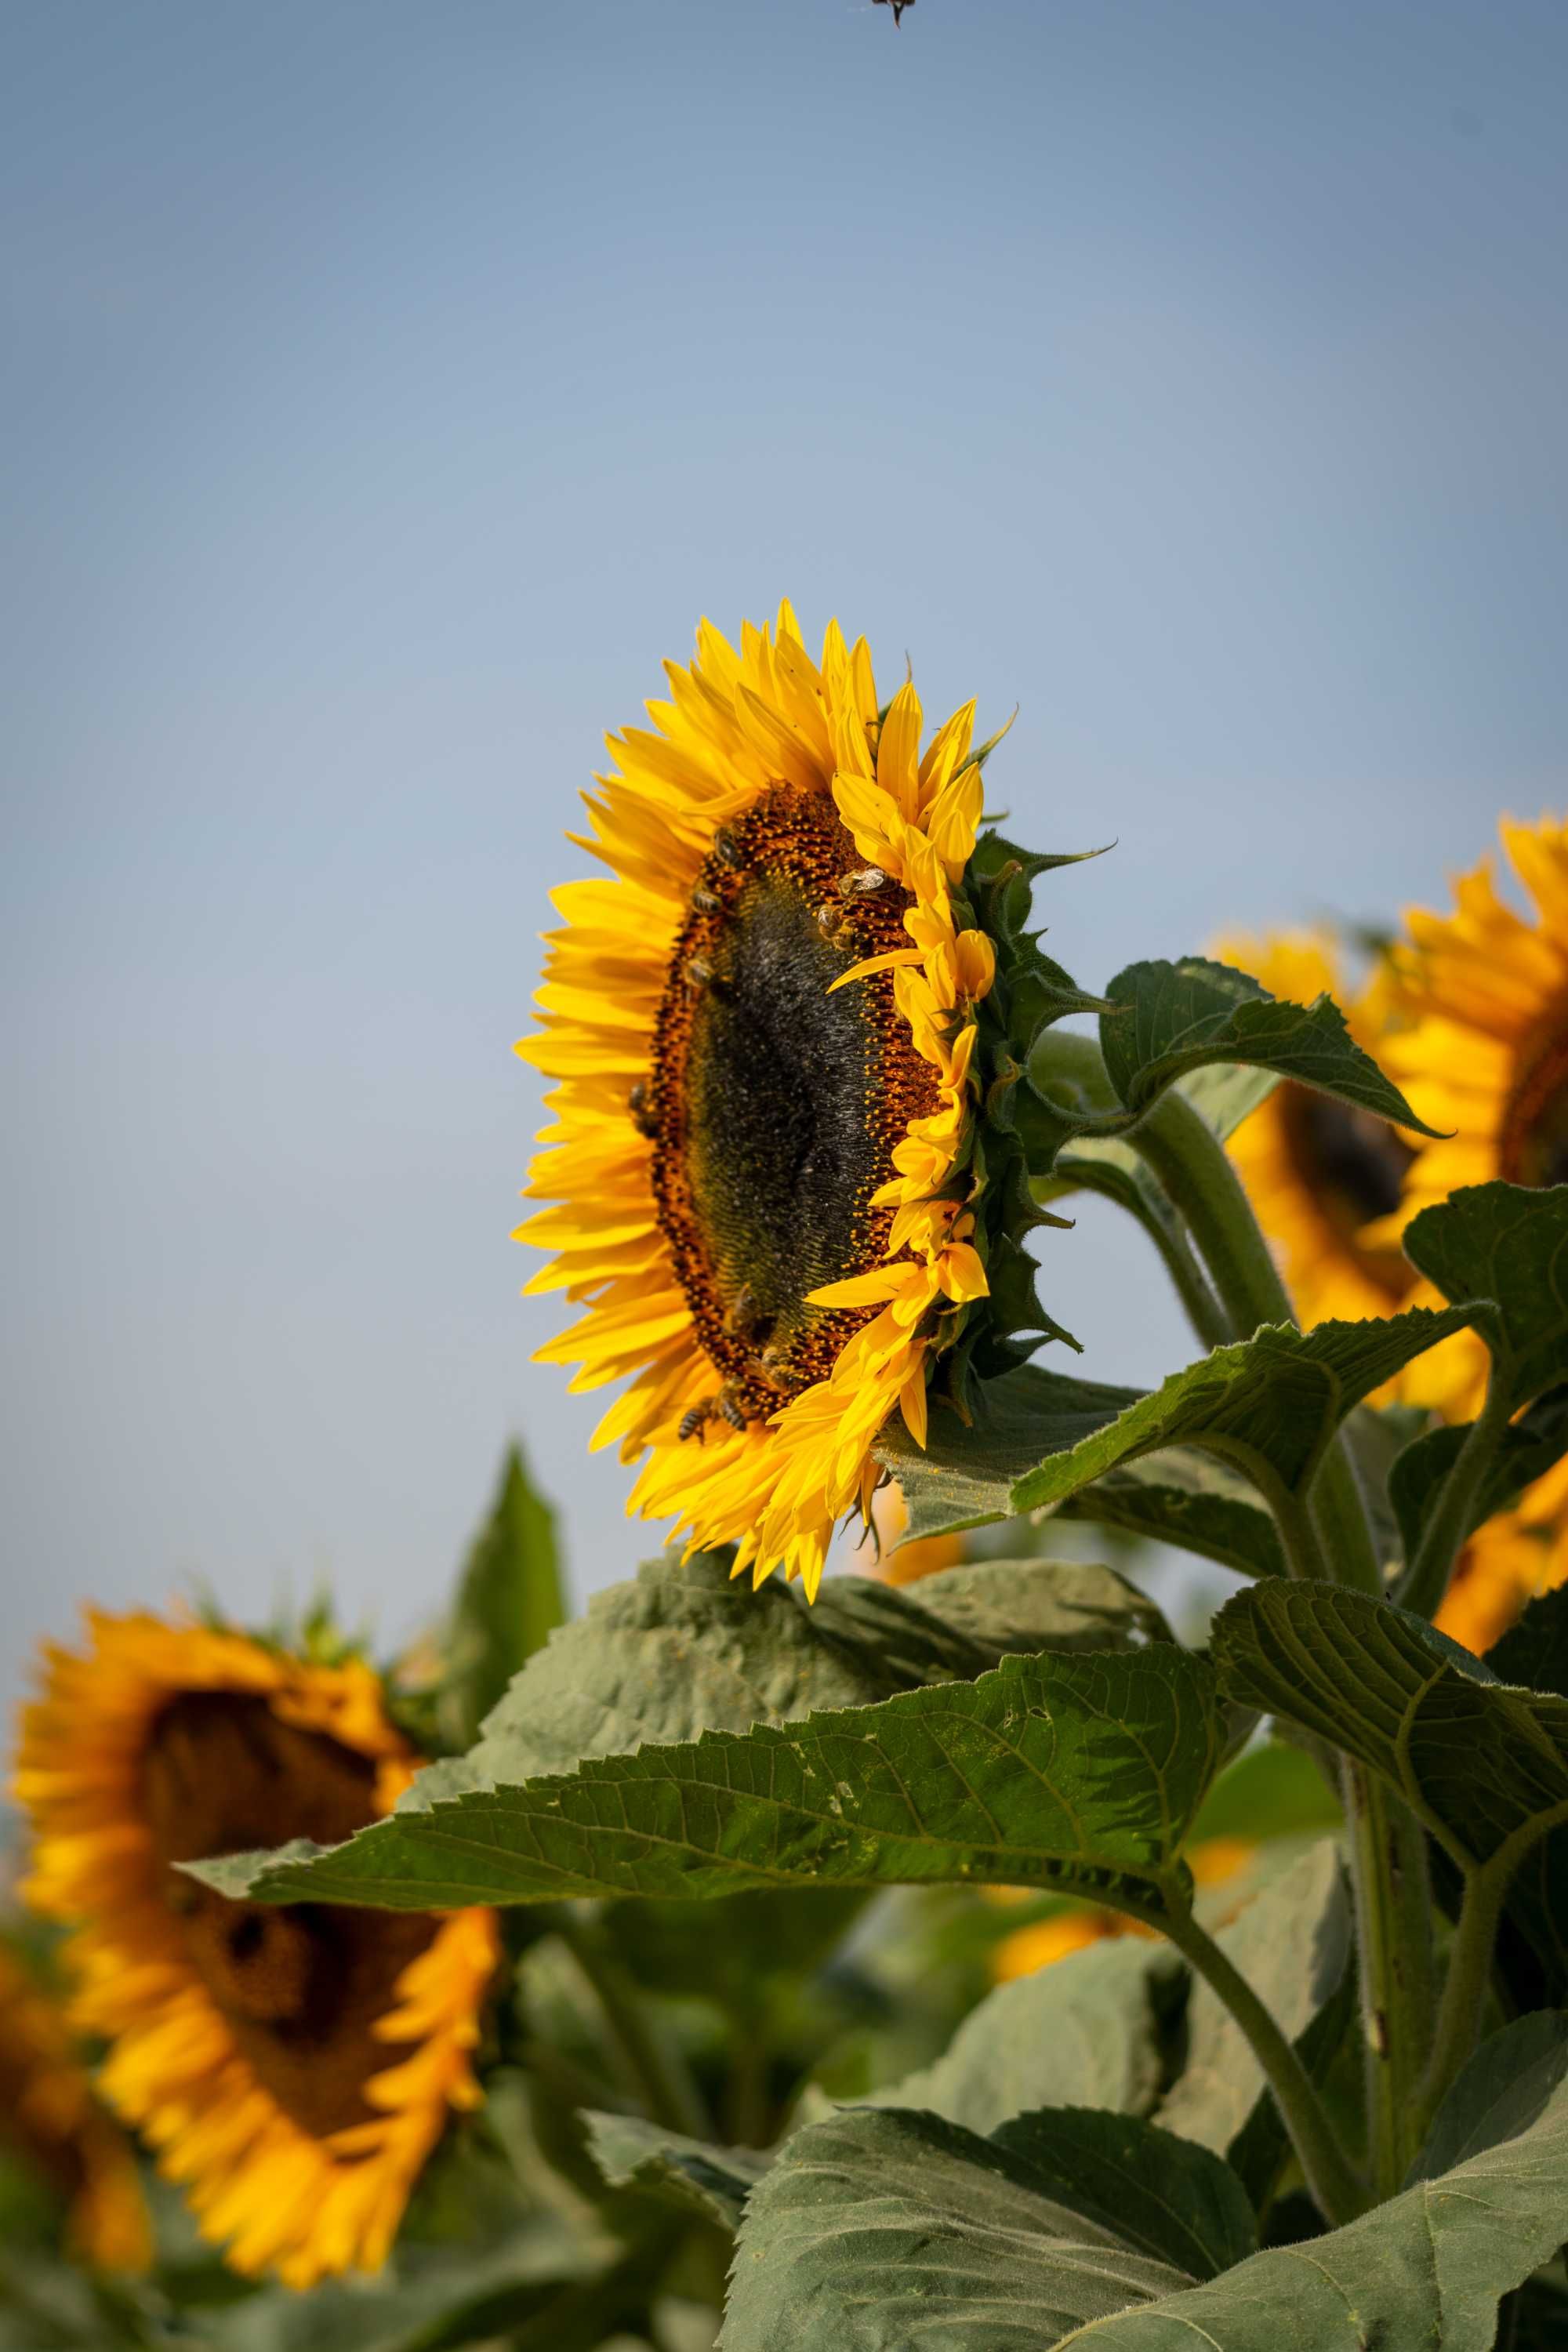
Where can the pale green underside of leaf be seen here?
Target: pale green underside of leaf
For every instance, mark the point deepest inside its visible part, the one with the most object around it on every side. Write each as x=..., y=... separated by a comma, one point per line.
x=1082, y=2032
x=1187, y=1497
x=1480, y=1760
x=1078, y=1772
x=714, y=2183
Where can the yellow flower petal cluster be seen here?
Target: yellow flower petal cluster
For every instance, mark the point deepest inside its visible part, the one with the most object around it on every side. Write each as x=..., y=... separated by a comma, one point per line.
x=224, y=2021
x=763, y=737
x=1470, y=1013
x=1478, y=1040
x=48, y=2114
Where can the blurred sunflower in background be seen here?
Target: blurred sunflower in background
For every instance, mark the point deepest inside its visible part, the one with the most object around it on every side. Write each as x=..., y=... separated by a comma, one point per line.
x=764, y=1029
x=293, y=2068
x=51, y=2120
x=1321, y=1175
x=1468, y=1012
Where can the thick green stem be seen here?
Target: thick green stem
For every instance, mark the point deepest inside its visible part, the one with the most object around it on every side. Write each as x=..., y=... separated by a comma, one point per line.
x=1460, y=2018
x=1197, y=1173
x=1426, y=1580
x=1329, y=2174
x=1333, y=1538
x=668, y=2092
x=1396, y=1965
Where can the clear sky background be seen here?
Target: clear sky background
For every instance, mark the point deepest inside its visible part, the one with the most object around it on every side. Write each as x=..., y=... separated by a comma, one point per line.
x=387, y=387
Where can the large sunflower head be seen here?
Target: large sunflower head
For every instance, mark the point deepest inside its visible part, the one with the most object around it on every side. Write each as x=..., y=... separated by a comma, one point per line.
x=293, y=2068
x=1324, y=1176
x=774, y=1028
x=50, y=2117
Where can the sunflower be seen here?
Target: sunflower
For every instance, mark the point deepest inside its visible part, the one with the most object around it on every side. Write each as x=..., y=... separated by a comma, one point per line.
x=1506, y=1564
x=1320, y=1173
x=293, y=2068
x=765, y=1028
x=1481, y=1047
x=49, y=2115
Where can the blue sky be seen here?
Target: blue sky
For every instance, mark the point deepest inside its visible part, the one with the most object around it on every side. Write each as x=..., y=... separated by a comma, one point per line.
x=387, y=387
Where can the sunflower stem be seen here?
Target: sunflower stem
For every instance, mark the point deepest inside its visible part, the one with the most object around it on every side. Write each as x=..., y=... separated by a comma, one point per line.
x=1197, y=1173
x=1331, y=1537
x=1426, y=1580
x=663, y=2081
x=1467, y=1984
x=1329, y=2175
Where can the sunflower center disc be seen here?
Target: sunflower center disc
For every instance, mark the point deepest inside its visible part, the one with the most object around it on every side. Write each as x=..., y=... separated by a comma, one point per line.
x=299, y=1989
x=775, y=1106
x=1353, y=1165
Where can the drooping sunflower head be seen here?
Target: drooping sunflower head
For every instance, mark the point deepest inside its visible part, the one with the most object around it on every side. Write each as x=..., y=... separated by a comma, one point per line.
x=1324, y=1176
x=293, y=2068
x=53, y=2123
x=772, y=1028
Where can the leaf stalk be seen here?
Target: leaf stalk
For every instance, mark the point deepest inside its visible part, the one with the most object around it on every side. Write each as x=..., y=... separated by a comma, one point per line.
x=1332, y=2179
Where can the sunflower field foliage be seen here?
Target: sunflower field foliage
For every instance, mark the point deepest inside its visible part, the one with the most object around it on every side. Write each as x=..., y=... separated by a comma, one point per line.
x=1031, y=1862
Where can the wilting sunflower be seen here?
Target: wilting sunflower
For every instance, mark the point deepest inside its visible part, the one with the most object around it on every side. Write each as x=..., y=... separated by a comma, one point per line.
x=1319, y=1172
x=50, y=2117
x=773, y=1032
x=293, y=2067
x=1482, y=1049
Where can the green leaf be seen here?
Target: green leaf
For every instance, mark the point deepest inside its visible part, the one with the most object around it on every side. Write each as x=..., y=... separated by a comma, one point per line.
x=685, y=1648
x=1427, y=2269
x=1187, y=1499
x=1505, y=2087
x=1084, y=2032
x=1535, y=1652
x=965, y=1477
x=879, y=2230
x=1077, y=1774
x=1483, y=1764
x=986, y=1610
x=1268, y=1405
x=1159, y=2192
x=1528, y=1449
x=1290, y=1942
x=1170, y=1018
x=1507, y=1244
x=509, y=1600
x=714, y=2183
